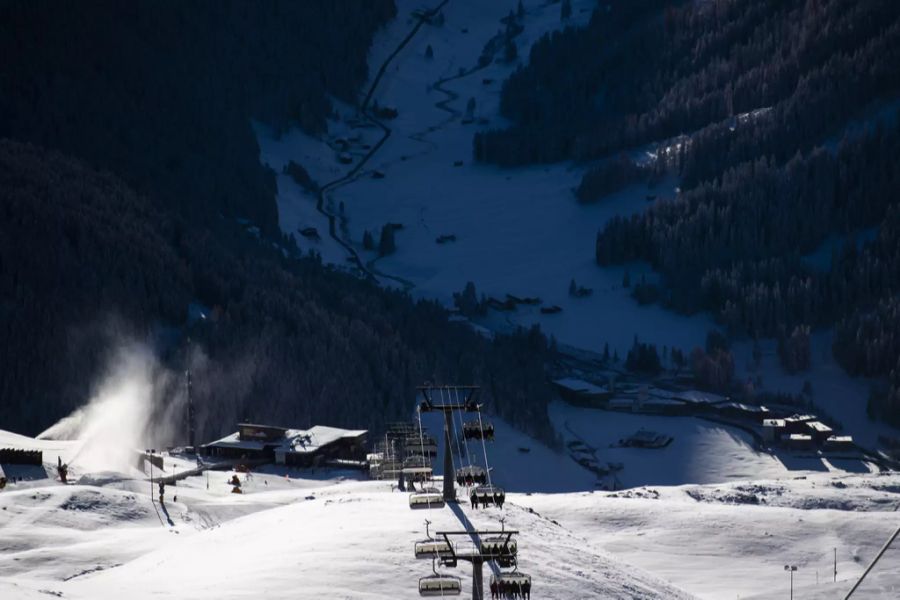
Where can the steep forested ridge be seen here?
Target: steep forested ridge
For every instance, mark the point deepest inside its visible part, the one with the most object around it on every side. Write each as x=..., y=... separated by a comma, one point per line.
x=129, y=161
x=85, y=260
x=162, y=93
x=749, y=103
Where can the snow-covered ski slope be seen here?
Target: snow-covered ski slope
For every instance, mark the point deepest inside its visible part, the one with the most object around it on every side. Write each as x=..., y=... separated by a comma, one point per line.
x=518, y=231
x=732, y=541
x=309, y=535
x=331, y=534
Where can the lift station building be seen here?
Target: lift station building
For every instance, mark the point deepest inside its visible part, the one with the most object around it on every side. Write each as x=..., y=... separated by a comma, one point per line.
x=292, y=447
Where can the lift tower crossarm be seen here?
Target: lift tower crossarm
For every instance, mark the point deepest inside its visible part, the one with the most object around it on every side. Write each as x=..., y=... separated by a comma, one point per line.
x=477, y=559
x=467, y=404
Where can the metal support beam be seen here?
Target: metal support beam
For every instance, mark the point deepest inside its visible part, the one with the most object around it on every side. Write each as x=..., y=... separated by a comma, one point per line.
x=477, y=580
x=449, y=475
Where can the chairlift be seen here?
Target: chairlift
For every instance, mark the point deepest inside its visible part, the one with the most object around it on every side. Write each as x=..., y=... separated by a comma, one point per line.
x=416, y=446
x=477, y=430
x=471, y=475
x=489, y=494
x=427, y=498
x=416, y=469
x=502, y=546
x=432, y=548
x=416, y=464
x=439, y=585
x=513, y=578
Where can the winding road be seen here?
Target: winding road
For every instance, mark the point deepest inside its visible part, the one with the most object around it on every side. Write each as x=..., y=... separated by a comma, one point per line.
x=367, y=269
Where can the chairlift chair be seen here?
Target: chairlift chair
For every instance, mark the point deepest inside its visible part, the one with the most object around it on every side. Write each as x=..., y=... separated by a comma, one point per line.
x=476, y=430
x=501, y=546
x=489, y=494
x=427, y=498
x=417, y=469
x=471, y=475
x=416, y=464
x=439, y=585
x=416, y=446
x=513, y=577
x=432, y=548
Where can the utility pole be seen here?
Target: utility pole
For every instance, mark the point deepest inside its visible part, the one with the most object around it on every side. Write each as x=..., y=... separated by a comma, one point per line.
x=150, y=452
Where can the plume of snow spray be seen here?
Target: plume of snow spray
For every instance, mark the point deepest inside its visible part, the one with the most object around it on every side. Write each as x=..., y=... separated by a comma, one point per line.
x=127, y=412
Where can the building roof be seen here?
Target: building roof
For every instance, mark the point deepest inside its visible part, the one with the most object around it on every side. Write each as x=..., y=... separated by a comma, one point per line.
x=840, y=439
x=744, y=407
x=295, y=440
x=621, y=402
x=800, y=437
x=261, y=426
x=579, y=386
x=818, y=426
x=800, y=418
x=774, y=423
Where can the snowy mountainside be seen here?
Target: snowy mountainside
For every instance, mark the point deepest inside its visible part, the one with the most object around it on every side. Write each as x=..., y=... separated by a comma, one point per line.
x=732, y=540
x=518, y=231
x=303, y=534
x=289, y=535
x=515, y=231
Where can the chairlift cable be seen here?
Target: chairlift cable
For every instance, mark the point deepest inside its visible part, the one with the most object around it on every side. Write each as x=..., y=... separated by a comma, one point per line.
x=422, y=447
x=487, y=467
x=448, y=423
x=462, y=426
x=455, y=435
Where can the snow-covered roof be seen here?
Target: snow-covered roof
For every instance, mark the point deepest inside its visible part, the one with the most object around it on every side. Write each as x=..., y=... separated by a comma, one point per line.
x=580, y=386
x=662, y=402
x=800, y=418
x=818, y=426
x=774, y=423
x=621, y=403
x=744, y=407
x=294, y=440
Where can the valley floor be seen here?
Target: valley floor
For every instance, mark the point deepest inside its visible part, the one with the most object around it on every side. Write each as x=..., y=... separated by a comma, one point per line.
x=516, y=231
